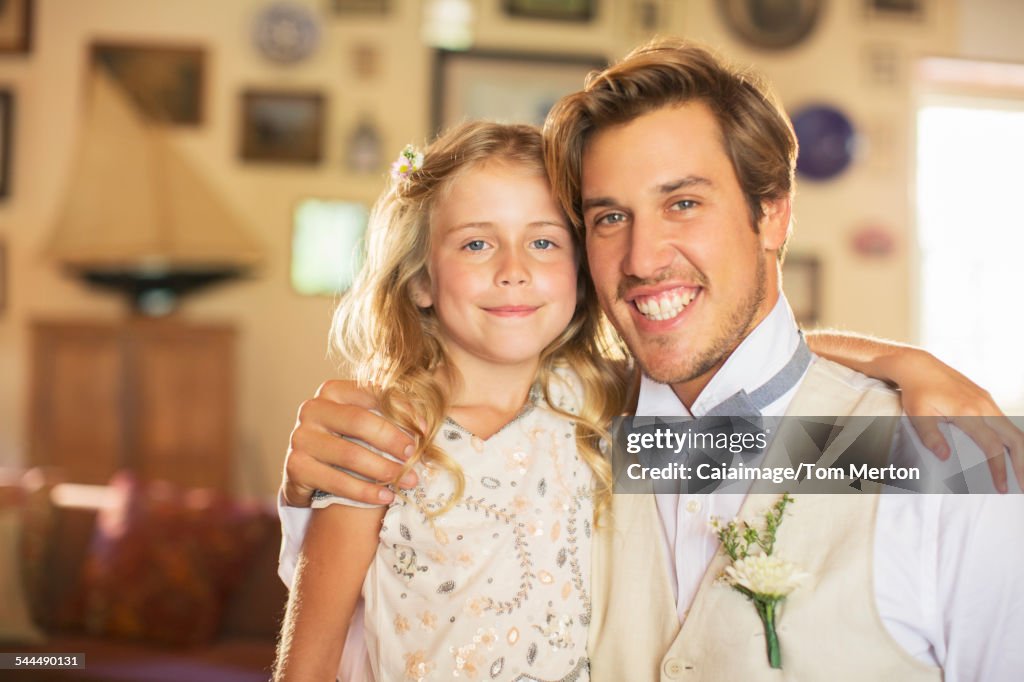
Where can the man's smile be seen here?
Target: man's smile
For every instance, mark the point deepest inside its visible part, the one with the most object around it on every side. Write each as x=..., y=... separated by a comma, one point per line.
x=665, y=304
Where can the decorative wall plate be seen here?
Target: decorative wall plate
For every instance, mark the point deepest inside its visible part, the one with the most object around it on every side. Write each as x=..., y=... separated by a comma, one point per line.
x=827, y=141
x=286, y=33
x=770, y=24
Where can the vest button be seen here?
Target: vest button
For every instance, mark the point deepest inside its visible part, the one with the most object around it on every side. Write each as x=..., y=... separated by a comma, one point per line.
x=673, y=668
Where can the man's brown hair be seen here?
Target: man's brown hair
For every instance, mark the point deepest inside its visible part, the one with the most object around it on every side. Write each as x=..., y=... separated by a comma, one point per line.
x=756, y=134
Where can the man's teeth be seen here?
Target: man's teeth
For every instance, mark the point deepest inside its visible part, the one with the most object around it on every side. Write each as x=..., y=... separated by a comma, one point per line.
x=665, y=306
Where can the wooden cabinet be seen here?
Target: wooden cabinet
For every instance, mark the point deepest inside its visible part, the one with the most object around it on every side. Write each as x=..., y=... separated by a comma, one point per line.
x=152, y=396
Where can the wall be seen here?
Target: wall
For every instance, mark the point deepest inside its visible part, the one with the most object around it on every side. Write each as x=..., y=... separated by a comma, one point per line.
x=282, y=335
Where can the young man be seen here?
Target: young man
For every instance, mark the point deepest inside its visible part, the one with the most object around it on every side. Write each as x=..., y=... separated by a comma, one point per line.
x=680, y=171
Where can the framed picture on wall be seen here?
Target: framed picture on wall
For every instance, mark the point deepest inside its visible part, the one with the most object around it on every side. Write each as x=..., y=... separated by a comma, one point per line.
x=3, y=277
x=164, y=82
x=801, y=282
x=16, y=26
x=327, y=245
x=895, y=9
x=6, y=140
x=559, y=10
x=358, y=6
x=510, y=87
x=282, y=127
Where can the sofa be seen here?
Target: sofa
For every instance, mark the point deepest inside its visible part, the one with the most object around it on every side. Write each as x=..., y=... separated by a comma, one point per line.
x=151, y=582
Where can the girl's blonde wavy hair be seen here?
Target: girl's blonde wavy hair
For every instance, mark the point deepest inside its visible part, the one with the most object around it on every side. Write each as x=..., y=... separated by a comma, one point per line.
x=390, y=344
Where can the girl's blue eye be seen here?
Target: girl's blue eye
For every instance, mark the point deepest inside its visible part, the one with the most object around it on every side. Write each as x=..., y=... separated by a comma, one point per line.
x=543, y=244
x=476, y=245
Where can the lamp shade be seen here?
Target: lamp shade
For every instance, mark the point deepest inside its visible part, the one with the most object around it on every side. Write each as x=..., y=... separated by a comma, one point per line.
x=137, y=209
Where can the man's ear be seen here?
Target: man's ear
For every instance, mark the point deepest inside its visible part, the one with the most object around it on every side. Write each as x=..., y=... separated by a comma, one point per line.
x=420, y=289
x=775, y=219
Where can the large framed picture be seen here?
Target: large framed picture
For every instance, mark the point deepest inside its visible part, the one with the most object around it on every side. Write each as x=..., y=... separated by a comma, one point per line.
x=281, y=126
x=164, y=82
x=6, y=140
x=801, y=282
x=511, y=87
x=16, y=26
x=560, y=10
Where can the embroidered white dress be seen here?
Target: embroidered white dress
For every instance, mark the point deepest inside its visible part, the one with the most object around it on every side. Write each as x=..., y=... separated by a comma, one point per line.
x=497, y=587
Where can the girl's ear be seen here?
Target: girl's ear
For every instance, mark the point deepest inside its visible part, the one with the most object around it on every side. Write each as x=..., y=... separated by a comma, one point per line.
x=421, y=292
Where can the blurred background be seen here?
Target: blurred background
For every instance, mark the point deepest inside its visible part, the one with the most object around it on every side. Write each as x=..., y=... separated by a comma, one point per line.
x=184, y=184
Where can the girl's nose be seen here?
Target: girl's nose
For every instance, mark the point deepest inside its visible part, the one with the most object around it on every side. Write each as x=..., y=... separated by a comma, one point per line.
x=512, y=271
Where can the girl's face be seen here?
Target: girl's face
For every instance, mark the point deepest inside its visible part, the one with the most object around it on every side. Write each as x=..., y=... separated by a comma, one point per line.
x=502, y=267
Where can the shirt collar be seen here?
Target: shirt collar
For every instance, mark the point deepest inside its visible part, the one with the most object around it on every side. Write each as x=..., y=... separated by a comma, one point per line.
x=756, y=360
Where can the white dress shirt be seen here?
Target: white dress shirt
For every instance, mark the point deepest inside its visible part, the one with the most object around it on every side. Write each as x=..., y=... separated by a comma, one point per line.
x=945, y=566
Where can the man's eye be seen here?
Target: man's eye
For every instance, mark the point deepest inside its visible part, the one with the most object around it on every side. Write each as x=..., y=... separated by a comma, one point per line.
x=610, y=219
x=685, y=204
x=476, y=245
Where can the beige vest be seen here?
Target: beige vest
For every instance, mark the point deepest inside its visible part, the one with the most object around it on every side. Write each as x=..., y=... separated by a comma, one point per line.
x=829, y=628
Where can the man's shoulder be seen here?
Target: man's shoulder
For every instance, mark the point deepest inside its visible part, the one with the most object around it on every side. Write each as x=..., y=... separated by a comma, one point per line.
x=850, y=378
x=841, y=390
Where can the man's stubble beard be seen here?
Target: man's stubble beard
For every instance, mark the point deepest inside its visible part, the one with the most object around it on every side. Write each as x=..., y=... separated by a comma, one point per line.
x=736, y=328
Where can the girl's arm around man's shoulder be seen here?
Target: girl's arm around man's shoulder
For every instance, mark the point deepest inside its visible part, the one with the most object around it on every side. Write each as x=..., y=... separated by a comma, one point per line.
x=339, y=545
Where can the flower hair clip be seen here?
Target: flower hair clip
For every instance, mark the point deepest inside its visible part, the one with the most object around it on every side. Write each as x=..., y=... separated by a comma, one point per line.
x=407, y=163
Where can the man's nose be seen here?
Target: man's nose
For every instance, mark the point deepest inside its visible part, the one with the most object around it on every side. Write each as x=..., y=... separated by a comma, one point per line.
x=649, y=249
x=512, y=269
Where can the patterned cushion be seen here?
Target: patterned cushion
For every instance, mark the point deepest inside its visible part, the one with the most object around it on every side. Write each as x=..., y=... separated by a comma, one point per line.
x=16, y=624
x=164, y=560
x=38, y=518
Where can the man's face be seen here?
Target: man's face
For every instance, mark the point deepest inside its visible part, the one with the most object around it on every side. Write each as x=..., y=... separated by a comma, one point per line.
x=677, y=264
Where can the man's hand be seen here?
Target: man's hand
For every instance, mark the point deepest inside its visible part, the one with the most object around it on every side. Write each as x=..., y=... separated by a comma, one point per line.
x=342, y=408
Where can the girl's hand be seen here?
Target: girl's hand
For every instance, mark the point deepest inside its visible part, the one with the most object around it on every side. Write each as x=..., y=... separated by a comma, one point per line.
x=933, y=392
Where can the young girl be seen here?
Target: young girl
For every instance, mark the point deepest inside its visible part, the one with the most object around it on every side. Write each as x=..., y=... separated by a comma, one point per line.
x=472, y=307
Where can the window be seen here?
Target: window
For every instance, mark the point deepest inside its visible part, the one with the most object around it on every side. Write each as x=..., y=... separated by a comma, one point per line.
x=970, y=201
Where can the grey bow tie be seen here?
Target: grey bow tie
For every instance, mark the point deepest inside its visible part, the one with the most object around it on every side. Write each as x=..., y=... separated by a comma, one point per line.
x=743, y=404
x=740, y=413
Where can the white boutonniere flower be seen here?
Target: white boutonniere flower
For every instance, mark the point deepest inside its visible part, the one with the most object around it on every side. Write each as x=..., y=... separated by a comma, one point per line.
x=764, y=579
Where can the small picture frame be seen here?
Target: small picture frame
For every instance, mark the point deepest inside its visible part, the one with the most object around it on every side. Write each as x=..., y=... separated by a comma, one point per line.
x=556, y=10
x=165, y=82
x=6, y=141
x=282, y=126
x=801, y=282
x=327, y=245
x=358, y=6
x=16, y=26
x=900, y=10
x=511, y=87
x=3, y=277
